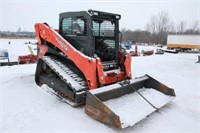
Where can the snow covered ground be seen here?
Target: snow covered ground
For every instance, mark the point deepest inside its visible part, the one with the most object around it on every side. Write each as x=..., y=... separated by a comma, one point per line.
x=25, y=107
x=17, y=47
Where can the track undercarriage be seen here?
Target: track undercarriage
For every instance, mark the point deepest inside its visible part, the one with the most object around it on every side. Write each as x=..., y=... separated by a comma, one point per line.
x=65, y=82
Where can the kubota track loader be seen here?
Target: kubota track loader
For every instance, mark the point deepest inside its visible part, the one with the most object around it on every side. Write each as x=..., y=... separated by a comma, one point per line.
x=83, y=64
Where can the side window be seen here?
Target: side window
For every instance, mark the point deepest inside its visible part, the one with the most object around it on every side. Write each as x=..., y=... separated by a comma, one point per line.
x=74, y=26
x=66, y=26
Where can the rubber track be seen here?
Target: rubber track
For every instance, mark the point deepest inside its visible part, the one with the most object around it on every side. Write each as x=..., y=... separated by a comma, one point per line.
x=74, y=81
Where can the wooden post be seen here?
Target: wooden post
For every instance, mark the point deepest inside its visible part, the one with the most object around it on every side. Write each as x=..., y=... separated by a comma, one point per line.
x=198, y=59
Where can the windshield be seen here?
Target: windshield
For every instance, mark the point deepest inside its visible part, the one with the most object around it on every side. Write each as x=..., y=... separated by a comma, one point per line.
x=74, y=26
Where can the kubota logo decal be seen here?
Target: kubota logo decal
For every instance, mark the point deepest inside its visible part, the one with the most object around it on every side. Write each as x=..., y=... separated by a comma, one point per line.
x=61, y=44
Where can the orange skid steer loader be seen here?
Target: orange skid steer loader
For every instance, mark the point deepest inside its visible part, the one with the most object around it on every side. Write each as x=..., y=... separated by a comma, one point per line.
x=82, y=64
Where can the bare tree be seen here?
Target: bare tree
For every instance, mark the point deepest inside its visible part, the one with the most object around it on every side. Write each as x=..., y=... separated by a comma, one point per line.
x=172, y=28
x=195, y=25
x=152, y=25
x=159, y=26
x=181, y=27
x=163, y=27
x=193, y=29
x=127, y=34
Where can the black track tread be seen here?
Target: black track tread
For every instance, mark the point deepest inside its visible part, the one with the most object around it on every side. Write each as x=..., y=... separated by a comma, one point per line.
x=79, y=85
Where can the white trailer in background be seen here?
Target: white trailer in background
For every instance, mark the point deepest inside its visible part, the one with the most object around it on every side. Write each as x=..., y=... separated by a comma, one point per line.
x=183, y=42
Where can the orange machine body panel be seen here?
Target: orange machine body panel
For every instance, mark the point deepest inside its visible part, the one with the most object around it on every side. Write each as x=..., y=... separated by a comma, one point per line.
x=92, y=68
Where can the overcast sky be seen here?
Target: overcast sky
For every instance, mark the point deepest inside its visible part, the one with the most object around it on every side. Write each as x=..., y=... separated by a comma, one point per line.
x=135, y=14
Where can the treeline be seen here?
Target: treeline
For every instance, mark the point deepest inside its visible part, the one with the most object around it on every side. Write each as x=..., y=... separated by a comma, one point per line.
x=158, y=28
x=155, y=31
x=22, y=34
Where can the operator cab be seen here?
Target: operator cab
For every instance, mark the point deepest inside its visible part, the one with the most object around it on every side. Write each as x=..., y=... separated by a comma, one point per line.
x=94, y=33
